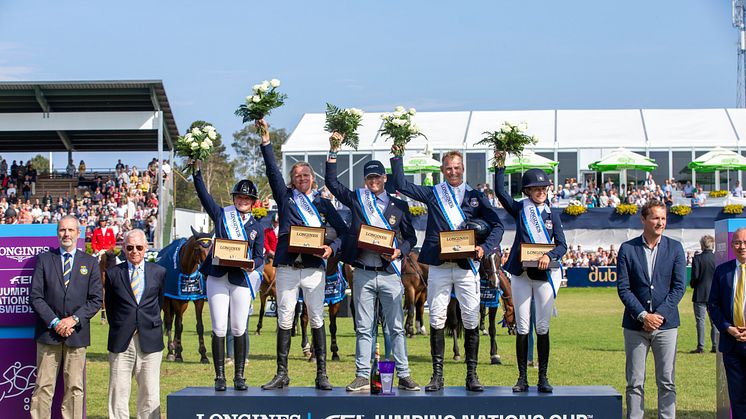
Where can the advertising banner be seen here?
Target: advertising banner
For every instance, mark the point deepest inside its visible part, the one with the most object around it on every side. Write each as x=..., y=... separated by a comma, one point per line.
x=596, y=276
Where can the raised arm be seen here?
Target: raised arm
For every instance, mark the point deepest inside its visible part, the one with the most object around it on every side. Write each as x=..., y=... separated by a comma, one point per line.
x=276, y=182
x=205, y=198
x=340, y=191
x=416, y=192
x=502, y=195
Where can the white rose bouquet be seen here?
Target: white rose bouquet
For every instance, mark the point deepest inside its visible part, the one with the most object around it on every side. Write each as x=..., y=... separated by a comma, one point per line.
x=264, y=99
x=197, y=143
x=399, y=127
x=344, y=122
x=510, y=139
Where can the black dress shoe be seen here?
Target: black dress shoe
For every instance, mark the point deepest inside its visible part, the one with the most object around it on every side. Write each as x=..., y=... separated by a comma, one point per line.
x=697, y=351
x=713, y=350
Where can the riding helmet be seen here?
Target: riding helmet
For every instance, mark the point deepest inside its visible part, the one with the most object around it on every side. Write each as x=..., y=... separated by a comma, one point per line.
x=245, y=187
x=481, y=229
x=534, y=177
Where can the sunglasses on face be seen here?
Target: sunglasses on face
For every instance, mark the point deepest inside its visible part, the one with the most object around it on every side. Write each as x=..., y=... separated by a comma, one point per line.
x=139, y=248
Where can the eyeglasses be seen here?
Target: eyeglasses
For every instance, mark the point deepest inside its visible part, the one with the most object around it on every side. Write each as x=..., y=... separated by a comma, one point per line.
x=139, y=248
x=738, y=243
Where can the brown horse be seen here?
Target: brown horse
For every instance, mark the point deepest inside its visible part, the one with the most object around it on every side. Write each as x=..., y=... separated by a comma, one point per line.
x=414, y=279
x=190, y=256
x=267, y=289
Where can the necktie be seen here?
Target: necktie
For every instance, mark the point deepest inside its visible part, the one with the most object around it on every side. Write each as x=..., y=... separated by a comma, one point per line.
x=739, y=299
x=67, y=268
x=136, y=284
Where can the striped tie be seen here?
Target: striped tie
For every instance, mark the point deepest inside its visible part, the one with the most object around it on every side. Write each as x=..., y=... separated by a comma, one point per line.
x=136, y=284
x=67, y=268
x=739, y=300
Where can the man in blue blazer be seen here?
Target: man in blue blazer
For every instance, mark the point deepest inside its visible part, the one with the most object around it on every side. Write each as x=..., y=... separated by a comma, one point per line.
x=134, y=299
x=377, y=276
x=651, y=280
x=726, y=305
x=448, y=202
x=66, y=293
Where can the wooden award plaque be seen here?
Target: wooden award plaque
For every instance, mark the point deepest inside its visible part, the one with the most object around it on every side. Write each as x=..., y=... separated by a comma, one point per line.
x=306, y=240
x=231, y=253
x=457, y=244
x=376, y=239
x=532, y=252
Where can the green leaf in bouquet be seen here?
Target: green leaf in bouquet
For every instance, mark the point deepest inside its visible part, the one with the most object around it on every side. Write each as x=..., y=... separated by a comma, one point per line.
x=509, y=139
x=345, y=122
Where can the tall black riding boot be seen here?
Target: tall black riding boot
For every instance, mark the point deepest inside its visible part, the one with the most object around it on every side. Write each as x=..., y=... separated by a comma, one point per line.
x=218, y=361
x=542, y=346
x=239, y=354
x=319, y=350
x=521, y=354
x=281, y=379
x=471, y=347
x=437, y=350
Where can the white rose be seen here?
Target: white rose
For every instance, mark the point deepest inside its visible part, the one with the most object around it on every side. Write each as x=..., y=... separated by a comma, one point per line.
x=505, y=129
x=194, y=145
x=207, y=140
x=399, y=109
x=255, y=87
x=205, y=145
x=188, y=137
x=248, y=98
x=415, y=128
x=256, y=99
x=196, y=131
x=212, y=135
x=209, y=128
x=399, y=122
x=264, y=86
x=385, y=116
x=398, y=114
x=412, y=111
x=274, y=83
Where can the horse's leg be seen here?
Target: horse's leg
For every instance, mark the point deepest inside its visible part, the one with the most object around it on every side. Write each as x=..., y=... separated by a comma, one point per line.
x=456, y=351
x=180, y=310
x=262, y=303
x=420, y=313
x=168, y=319
x=409, y=303
x=333, y=311
x=296, y=315
x=482, y=314
x=199, y=305
x=304, y=343
x=494, y=356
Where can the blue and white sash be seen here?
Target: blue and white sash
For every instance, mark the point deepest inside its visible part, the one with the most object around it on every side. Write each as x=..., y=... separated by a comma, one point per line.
x=375, y=218
x=234, y=222
x=453, y=213
x=308, y=212
x=538, y=233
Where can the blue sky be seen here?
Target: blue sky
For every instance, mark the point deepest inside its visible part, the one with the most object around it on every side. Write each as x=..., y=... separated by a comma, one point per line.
x=432, y=55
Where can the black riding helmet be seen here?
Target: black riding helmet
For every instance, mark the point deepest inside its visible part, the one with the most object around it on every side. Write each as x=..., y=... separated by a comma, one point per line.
x=481, y=229
x=534, y=177
x=245, y=187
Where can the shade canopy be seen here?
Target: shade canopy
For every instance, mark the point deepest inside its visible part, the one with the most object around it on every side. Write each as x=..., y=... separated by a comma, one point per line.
x=718, y=159
x=527, y=160
x=620, y=159
x=421, y=163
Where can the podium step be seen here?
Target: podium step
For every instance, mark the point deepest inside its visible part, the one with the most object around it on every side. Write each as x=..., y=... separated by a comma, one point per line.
x=571, y=402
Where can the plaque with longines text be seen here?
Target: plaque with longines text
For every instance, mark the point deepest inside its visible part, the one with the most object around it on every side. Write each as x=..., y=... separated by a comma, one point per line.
x=457, y=244
x=305, y=239
x=376, y=239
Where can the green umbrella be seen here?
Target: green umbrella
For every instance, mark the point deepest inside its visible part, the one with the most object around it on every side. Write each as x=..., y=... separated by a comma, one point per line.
x=421, y=163
x=527, y=160
x=719, y=159
x=621, y=159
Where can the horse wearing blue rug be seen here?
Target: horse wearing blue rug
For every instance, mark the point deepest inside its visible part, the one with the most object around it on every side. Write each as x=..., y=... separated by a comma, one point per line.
x=184, y=283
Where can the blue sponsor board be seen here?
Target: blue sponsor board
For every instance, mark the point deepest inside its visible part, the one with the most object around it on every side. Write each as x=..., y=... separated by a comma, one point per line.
x=596, y=276
x=591, y=402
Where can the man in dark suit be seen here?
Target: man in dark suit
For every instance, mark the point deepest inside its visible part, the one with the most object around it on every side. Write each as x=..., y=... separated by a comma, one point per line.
x=134, y=298
x=377, y=275
x=65, y=294
x=726, y=305
x=651, y=280
x=450, y=205
x=703, y=266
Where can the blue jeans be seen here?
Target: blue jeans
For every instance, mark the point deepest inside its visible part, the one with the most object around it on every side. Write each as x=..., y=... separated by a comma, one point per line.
x=370, y=288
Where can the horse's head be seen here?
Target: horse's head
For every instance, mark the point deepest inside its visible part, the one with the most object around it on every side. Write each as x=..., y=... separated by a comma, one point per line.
x=200, y=244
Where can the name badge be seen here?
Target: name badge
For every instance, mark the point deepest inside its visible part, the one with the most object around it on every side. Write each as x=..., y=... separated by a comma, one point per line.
x=305, y=239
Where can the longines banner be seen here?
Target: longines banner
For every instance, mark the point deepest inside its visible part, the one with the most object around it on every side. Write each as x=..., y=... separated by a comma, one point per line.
x=19, y=246
x=451, y=403
x=597, y=276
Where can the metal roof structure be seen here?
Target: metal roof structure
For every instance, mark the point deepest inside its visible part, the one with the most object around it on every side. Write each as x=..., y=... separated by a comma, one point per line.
x=85, y=116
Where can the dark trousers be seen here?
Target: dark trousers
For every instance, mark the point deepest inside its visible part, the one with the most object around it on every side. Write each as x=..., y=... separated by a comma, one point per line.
x=735, y=372
x=701, y=318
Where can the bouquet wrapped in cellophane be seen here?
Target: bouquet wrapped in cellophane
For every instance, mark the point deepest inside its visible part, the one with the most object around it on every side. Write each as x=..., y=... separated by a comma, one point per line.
x=509, y=139
x=400, y=128
x=264, y=98
x=345, y=122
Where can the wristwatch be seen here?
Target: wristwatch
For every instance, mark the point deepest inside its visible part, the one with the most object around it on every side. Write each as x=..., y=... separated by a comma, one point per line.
x=77, y=319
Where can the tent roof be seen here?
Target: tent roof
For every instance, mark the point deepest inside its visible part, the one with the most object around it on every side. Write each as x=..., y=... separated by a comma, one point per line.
x=102, y=110
x=561, y=129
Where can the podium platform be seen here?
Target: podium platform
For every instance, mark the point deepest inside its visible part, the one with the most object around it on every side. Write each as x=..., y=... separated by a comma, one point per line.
x=583, y=402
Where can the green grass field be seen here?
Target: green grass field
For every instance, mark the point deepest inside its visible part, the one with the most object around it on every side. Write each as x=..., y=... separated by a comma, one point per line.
x=587, y=349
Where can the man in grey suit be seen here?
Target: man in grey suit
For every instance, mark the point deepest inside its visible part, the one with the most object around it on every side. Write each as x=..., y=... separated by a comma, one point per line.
x=66, y=293
x=703, y=267
x=651, y=281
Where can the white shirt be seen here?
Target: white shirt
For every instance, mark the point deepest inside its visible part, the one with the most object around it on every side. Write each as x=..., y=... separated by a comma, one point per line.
x=459, y=191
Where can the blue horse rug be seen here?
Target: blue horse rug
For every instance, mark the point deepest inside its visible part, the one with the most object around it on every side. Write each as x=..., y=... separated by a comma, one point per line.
x=180, y=286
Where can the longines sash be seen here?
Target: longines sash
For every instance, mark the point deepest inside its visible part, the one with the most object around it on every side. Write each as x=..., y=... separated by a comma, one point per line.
x=538, y=233
x=374, y=217
x=308, y=212
x=234, y=223
x=453, y=214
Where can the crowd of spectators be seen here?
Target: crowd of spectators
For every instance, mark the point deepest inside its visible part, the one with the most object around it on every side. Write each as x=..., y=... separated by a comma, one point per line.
x=126, y=196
